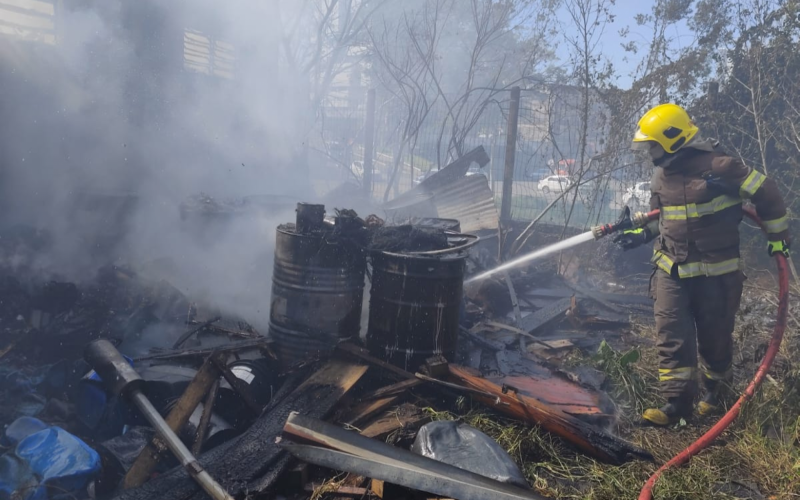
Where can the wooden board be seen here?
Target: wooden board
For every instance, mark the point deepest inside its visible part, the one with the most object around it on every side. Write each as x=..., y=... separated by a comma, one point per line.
x=253, y=462
x=405, y=417
x=368, y=409
x=590, y=439
x=545, y=316
x=393, y=389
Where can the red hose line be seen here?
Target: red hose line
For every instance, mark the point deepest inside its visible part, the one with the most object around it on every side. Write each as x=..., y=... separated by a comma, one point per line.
x=774, y=344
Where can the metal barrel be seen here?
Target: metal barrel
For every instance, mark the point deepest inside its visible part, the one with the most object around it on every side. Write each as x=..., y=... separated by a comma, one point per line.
x=317, y=291
x=415, y=303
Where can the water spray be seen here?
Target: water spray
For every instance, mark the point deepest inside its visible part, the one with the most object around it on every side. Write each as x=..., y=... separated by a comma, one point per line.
x=625, y=221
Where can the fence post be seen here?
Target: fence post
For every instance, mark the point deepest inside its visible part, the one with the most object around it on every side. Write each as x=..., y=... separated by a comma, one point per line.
x=713, y=94
x=511, y=150
x=369, y=140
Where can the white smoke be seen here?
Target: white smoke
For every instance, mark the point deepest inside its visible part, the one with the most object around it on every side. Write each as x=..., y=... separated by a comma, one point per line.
x=109, y=112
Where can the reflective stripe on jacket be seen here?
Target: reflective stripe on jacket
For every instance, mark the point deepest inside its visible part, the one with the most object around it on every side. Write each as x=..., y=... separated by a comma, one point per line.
x=699, y=225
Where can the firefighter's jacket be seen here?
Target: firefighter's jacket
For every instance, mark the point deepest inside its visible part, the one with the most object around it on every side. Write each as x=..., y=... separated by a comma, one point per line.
x=698, y=229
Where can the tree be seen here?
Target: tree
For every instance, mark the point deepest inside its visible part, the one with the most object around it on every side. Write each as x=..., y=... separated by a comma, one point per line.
x=405, y=50
x=757, y=108
x=589, y=70
x=317, y=38
x=446, y=63
x=496, y=56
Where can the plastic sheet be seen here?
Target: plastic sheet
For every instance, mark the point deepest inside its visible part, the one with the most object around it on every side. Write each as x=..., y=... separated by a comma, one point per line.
x=467, y=448
x=22, y=428
x=61, y=461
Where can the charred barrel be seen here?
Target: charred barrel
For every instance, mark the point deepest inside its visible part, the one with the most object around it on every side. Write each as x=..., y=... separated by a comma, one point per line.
x=317, y=291
x=415, y=302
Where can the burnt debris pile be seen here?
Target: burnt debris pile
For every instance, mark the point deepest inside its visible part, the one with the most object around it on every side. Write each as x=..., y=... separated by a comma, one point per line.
x=52, y=320
x=149, y=394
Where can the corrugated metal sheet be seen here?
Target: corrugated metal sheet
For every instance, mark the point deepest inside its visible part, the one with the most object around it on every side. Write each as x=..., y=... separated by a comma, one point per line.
x=468, y=199
x=451, y=194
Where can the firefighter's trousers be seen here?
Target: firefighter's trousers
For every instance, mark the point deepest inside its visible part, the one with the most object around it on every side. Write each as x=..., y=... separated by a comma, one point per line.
x=694, y=315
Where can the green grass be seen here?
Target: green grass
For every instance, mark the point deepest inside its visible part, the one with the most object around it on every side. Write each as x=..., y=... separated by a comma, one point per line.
x=760, y=448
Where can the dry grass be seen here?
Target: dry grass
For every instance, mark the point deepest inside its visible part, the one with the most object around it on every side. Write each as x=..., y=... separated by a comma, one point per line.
x=760, y=450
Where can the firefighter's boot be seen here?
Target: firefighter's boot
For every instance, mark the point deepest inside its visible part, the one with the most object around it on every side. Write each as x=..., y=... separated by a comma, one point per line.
x=712, y=400
x=670, y=413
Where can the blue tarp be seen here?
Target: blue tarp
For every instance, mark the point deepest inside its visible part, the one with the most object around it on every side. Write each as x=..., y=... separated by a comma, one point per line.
x=22, y=428
x=46, y=463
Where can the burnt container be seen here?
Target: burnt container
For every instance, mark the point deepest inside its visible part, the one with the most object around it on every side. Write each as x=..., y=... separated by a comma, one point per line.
x=414, y=307
x=317, y=291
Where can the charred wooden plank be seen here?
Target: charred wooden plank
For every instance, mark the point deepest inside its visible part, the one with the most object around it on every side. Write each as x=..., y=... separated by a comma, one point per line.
x=339, y=491
x=368, y=409
x=365, y=356
x=405, y=417
x=393, y=389
x=205, y=418
x=241, y=388
x=202, y=353
x=588, y=438
x=545, y=316
x=253, y=462
x=455, y=387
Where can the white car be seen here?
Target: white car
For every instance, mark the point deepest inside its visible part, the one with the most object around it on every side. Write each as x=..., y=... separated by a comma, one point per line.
x=555, y=183
x=638, y=194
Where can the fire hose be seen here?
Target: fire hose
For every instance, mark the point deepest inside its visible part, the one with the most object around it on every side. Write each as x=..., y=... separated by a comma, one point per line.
x=628, y=221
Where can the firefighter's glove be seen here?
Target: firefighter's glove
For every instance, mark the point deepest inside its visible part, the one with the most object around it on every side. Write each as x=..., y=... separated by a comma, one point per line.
x=781, y=246
x=632, y=238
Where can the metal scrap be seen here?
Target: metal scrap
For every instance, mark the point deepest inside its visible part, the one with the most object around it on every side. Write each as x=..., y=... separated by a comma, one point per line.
x=338, y=449
x=451, y=194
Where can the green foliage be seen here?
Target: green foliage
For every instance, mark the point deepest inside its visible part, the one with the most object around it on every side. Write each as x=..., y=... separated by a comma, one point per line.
x=630, y=386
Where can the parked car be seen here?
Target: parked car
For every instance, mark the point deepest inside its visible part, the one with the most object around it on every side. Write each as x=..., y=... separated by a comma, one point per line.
x=555, y=183
x=637, y=194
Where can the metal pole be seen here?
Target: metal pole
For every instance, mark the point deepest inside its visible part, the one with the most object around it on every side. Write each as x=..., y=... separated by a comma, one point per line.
x=511, y=150
x=177, y=447
x=122, y=379
x=369, y=143
x=149, y=457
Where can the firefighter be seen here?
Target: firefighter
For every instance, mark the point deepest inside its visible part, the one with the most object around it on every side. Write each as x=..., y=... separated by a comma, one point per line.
x=697, y=278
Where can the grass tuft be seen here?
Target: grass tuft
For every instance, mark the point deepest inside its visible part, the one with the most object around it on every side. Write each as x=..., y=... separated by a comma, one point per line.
x=757, y=457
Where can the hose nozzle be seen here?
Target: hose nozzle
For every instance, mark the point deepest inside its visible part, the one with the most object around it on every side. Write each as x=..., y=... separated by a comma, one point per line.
x=624, y=222
x=603, y=230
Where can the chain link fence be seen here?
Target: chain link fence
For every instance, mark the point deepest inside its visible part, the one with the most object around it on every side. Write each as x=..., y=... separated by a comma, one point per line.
x=553, y=152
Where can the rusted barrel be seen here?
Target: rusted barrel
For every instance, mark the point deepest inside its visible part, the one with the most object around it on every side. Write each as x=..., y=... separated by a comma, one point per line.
x=415, y=302
x=317, y=291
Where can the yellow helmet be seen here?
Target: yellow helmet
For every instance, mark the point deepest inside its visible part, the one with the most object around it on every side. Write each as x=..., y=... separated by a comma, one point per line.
x=667, y=124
